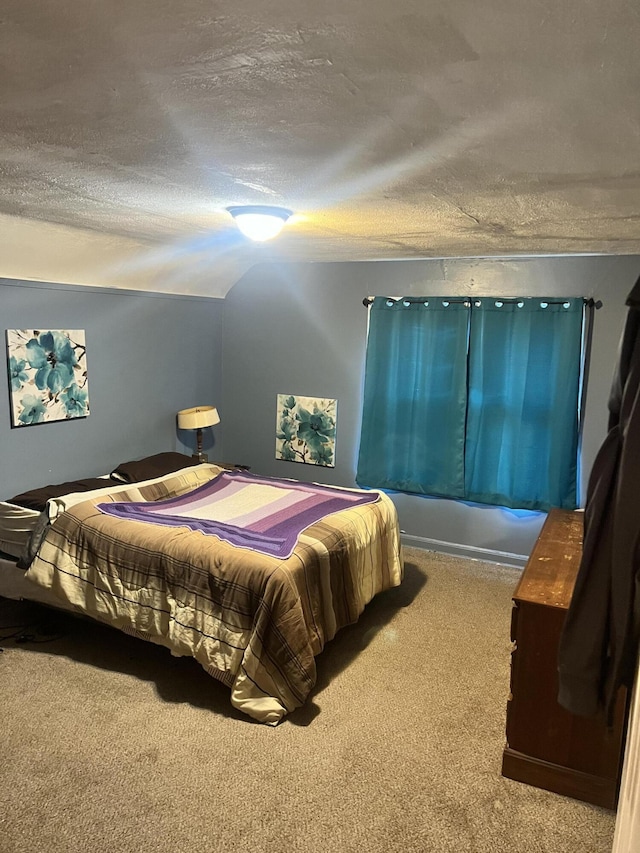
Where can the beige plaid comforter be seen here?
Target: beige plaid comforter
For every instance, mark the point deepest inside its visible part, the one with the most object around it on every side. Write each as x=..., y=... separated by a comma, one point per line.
x=253, y=621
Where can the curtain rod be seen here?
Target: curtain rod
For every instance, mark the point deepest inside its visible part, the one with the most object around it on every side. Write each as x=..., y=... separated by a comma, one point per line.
x=588, y=300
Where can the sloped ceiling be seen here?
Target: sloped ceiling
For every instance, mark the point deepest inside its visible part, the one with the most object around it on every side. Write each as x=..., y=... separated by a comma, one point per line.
x=393, y=129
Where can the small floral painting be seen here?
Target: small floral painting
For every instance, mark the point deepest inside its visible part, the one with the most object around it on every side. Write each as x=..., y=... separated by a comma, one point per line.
x=306, y=430
x=48, y=375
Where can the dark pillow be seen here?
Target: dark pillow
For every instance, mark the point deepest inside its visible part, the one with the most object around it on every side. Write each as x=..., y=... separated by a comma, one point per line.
x=151, y=466
x=37, y=498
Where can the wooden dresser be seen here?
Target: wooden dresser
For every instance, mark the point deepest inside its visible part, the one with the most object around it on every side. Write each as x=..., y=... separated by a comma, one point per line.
x=546, y=745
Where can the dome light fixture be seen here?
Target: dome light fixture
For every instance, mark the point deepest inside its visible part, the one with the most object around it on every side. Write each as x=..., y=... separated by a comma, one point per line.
x=260, y=222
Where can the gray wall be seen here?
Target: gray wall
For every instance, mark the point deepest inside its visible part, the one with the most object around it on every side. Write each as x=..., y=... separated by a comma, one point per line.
x=301, y=329
x=147, y=357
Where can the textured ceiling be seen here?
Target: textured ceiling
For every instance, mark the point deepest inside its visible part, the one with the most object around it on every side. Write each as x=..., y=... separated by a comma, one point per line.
x=393, y=129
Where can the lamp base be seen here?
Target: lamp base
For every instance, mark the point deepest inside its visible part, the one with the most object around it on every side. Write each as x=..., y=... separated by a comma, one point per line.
x=200, y=457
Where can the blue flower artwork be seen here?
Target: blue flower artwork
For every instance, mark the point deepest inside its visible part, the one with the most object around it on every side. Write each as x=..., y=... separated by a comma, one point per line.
x=306, y=430
x=47, y=375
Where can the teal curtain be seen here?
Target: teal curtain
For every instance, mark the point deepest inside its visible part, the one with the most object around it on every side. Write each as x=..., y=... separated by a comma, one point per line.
x=415, y=396
x=521, y=447
x=474, y=400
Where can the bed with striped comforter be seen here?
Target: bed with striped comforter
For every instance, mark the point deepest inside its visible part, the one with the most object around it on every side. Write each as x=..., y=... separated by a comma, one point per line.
x=253, y=620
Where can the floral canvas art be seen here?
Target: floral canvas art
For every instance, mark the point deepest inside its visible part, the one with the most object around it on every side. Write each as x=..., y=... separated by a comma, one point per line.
x=306, y=430
x=47, y=375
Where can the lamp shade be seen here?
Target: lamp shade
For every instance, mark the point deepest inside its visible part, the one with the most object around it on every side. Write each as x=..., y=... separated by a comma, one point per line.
x=198, y=417
x=260, y=222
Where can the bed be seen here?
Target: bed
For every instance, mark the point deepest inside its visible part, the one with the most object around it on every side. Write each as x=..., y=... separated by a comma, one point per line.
x=250, y=576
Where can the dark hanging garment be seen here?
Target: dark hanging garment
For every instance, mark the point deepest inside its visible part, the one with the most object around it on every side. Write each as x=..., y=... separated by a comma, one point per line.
x=599, y=645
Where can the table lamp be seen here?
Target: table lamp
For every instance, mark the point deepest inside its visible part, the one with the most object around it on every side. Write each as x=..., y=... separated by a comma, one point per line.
x=198, y=418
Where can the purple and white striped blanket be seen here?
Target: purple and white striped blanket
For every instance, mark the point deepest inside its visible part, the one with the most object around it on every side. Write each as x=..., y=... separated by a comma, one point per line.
x=261, y=513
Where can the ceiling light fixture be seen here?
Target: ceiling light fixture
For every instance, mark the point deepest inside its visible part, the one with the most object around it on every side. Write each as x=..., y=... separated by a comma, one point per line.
x=260, y=222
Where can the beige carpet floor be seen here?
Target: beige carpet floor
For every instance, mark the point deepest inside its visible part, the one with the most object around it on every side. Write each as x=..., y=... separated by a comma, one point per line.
x=110, y=745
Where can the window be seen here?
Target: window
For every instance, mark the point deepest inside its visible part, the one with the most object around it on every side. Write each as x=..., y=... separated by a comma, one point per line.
x=474, y=399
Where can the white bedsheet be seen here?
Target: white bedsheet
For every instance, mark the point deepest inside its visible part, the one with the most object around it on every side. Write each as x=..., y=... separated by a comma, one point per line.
x=16, y=525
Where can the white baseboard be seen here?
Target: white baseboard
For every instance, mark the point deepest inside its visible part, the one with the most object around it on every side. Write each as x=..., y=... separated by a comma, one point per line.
x=504, y=558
